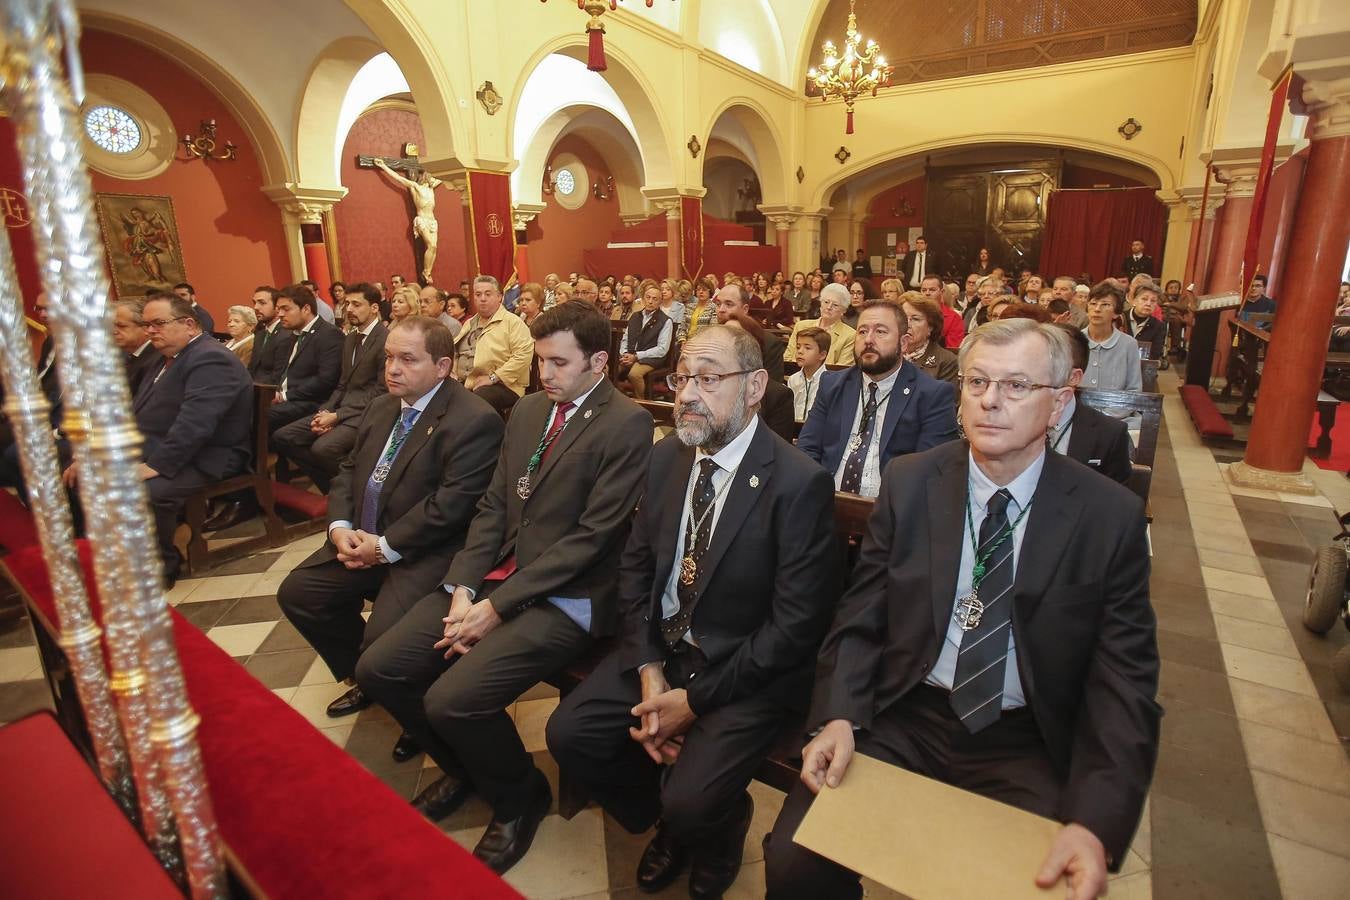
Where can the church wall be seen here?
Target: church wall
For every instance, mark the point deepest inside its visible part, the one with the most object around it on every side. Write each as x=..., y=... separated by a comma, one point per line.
x=879, y=210
x=1087, y=177
x=558, y=236
x=374, y=221
x=231, y=234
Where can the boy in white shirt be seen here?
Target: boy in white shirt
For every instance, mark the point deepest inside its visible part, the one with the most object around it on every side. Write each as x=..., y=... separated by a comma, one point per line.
x=813, y=345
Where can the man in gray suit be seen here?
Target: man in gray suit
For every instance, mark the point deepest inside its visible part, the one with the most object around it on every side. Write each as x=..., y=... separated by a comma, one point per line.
x=533, y=587
x=400, y=505
x=319, y=444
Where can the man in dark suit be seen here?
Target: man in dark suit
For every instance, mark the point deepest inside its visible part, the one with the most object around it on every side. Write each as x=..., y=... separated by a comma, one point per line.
x=733, y=303
x=917, y=265
x=532, y=589
x=133, y=340
x=187, y=292
x=726, y=585
x=315, y=361
x=195, y=411
x=881, y=408
x=1148, y=330
x=1138, y=262
x=400, y=505
x=319, y=444
x=1093, y=438
x=271, y=342
x=1022, y=669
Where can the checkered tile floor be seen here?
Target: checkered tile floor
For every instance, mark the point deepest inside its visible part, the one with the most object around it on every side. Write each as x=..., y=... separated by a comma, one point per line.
x=587, y=858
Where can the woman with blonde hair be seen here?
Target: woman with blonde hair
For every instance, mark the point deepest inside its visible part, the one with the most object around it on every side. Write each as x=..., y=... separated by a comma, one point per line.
x=891, y=289
x=670, y=302
x=404, y=303
x=531, y=301
x=240, y=324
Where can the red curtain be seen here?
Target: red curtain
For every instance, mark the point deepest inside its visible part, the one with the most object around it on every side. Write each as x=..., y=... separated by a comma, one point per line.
x=1091, y=231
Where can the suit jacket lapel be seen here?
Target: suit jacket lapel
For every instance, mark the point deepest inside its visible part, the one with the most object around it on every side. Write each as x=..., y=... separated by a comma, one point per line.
x=848, y=410
x=1050, y=526
x=947, y=497
x=421, y=433
x=366, y=344
x=370, y=453
x=901, y=392
x=757, y=466
x=672, y=510
x=581, y=419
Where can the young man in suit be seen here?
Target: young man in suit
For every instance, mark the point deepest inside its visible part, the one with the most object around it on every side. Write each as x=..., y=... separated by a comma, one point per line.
x=319, y=444
x=315, y=361
x=1138, y=262
x=1024, y=670
x=400, y=505
x=918, y=265
x=195, y=411
x=532, y=589
x=187, y=292
x=726, y=586
x=880, y=408
x=1094, y=439
x=271, y=342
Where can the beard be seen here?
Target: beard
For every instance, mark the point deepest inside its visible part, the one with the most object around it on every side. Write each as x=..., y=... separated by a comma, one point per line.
x=882, y=364
x=709, y=433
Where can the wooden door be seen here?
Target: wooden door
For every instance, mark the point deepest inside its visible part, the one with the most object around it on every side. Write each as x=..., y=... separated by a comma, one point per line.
x=955, y=221
x=1017, y=204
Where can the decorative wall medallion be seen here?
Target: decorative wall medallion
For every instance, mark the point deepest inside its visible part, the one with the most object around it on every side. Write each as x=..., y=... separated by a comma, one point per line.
x=694, y=146
x=801, y=174
x=488, y=96
x=1130, y=128
x=842, y=155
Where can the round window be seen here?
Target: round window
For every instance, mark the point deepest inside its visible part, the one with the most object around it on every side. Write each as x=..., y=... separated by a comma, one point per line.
x=112, y=129
x=565, y=183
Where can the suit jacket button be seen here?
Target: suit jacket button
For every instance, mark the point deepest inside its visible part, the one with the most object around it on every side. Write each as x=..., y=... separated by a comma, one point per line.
x=524, y=522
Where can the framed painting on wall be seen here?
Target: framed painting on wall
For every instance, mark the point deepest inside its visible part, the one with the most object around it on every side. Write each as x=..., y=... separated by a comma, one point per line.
x=140, y=235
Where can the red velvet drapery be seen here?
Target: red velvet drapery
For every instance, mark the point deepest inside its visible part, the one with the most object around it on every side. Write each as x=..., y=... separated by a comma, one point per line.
x=1091, y=231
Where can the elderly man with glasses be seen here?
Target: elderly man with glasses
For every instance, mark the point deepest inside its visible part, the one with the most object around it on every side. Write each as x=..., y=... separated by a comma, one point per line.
x=725, y=588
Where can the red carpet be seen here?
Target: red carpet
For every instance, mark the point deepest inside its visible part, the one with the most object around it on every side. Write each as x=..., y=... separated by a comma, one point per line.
x=1339, y=458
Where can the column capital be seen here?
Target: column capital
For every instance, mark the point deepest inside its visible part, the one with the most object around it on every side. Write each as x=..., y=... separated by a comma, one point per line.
x=1238, y=179
x=1191, y=197
x=631, y=219
x=304, y=204
x=450, y=170
x=667, y=199
x=523, y=214
x=1328, y=105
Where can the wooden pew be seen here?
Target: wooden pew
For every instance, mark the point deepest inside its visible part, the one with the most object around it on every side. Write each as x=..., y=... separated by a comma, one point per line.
x=1122, y=405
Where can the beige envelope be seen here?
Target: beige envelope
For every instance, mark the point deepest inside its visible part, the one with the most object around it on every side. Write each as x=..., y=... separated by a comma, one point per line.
x=926, y=839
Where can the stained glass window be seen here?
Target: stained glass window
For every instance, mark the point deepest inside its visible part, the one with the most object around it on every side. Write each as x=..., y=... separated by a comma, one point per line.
x=112, y=129
x=565, y=183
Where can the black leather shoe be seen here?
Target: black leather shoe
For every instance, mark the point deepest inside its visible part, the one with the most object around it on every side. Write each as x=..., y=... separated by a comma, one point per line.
x=442, y=797
x=230, y=515
x=505, y=843
x=351, y=702
x=405, y=748
x=662, y=862
x=718, y=861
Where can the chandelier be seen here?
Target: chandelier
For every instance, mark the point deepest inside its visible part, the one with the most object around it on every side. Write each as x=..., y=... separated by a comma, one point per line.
x=595, y=60
x=856, y=73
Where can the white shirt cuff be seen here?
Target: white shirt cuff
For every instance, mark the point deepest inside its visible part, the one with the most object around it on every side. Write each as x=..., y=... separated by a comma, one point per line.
x=390, y=554
x=337, y=523
x=450, y=589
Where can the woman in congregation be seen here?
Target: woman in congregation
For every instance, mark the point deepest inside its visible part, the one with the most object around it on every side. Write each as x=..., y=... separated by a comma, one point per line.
x=780, y=312
x=799, y=295
x=240, y=324
x=338, y=292
x=859, y=292
x=531, y=302
x=925, y=344
x=984, y=264
x=815, y=283
x=1031, y=289
x=404, y=303
x=564, y=292
x=670, y=302
x=953, y=325
x=703, y=312
x=891, y=290
x=458, y=307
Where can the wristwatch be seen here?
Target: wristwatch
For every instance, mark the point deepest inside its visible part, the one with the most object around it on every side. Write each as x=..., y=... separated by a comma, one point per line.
x=493, y=378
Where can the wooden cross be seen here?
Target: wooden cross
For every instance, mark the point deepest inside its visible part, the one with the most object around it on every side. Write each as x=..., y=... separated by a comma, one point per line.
x=409, y=163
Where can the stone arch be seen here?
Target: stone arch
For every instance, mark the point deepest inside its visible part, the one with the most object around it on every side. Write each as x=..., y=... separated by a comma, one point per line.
x=605, y=133
x=316, y=122
x=765, y=140
x=272, y=157
x=651, y=132
x=822, y=192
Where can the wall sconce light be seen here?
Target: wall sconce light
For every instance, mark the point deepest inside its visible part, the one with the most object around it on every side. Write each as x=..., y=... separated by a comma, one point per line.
x=603, y=190
x=903, y=209
x=203, y=147
x=549, y=180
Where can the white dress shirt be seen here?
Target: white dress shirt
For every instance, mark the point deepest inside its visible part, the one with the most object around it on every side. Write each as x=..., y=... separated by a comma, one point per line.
x=804, y=391
x=1022, y=488
x=657, y=351
x=871, y=474
x=389, y=553
x=295, y=348
x=920, y=264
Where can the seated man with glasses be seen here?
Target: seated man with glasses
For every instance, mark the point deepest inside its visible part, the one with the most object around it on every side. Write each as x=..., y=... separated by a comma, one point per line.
x=726, y=586
x=881, y=408
x=1024, y=670
x=195, y=411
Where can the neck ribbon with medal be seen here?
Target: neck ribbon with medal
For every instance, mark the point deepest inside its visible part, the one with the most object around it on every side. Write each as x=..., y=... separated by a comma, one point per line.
x=387, y=461
x=523, y=488
x=689, y=565
x=969, y=610
x=866, y=419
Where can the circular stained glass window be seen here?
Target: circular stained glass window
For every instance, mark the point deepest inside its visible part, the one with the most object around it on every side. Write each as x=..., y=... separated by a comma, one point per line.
x=565, y=183
x=112, y=129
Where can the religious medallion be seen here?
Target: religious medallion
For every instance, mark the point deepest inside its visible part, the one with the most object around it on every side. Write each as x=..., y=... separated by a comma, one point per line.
x=523, y=487
x=688, y=571
x=969, y=611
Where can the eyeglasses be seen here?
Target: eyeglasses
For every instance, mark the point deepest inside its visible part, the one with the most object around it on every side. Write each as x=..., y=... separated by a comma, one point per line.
x=705, y=382
x=1100, y=304
x=159, y=324
x=1011, y=388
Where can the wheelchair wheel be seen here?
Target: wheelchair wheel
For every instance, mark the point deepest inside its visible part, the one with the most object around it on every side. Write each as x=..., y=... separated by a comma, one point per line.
x=1326, y=589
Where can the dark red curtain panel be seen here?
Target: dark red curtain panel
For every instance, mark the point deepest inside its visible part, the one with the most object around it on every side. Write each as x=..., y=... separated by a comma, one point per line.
x=1091, y=231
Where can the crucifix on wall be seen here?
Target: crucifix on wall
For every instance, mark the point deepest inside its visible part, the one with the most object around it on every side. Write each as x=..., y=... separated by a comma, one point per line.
x=421, y=186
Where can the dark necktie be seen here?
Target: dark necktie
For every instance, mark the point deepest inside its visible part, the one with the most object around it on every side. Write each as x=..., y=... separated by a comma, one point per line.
x=370, y=503
x=555, y=429
x=853, y=469
x=356, y=351
x=696, y=540
x=977, y=689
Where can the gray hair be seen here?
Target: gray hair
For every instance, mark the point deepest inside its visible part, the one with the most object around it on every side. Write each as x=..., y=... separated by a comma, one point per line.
x=749, y=354
x=244, y=312
x=136, y=305
x=488, y=279
x=833, y=288
x=1002, y=332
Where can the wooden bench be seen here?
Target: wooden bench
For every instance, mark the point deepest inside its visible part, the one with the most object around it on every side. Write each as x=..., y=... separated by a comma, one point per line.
x=782, y=767
x=255, y=479
x=1124, y=405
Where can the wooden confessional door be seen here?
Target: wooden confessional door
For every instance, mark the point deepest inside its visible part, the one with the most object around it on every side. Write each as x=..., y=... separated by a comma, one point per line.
x=1001, y=207
x=1017, y=204
x=955, y=220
